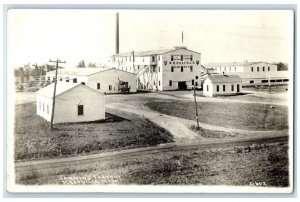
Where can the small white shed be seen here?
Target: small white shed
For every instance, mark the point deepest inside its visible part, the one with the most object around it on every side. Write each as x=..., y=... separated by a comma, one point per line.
x=221, y=85
x=73, y=103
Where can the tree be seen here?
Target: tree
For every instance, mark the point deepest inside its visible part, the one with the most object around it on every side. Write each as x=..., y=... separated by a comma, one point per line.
x=92, y=64
x=81, y=64
x=282, y=67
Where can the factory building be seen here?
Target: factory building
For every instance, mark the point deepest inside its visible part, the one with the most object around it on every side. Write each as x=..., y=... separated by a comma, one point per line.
x=164, y=69
x=73, y=103
x=105, y=80
x=251, y=73
x=214, y=85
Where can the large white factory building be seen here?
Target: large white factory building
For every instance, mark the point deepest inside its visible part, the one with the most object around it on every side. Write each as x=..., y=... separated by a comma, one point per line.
x=164, y=69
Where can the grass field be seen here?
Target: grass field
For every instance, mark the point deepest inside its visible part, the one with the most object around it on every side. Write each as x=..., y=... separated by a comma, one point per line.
x=34, y=140
x=216, y=166
x=234, y=115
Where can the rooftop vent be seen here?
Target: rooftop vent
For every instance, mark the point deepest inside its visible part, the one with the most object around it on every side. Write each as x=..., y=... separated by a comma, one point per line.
x=180, y=47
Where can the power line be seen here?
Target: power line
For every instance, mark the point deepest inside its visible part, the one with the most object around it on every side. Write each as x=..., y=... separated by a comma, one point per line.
x=54, y=91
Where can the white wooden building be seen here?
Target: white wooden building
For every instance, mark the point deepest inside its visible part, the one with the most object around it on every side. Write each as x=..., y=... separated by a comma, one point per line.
x=221, y=85
x=73, y=103
x=162, y=69
x=251, y=73
x=105, y=80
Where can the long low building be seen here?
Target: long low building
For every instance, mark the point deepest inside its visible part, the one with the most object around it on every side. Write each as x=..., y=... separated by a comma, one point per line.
x=105, y=80
x=163, y=69
x=251, y=73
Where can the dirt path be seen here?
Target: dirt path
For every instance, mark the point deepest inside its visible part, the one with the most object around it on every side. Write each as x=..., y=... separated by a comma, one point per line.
x=180, y=128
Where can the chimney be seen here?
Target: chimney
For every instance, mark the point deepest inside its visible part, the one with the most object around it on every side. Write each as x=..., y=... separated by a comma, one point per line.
x=117, y=33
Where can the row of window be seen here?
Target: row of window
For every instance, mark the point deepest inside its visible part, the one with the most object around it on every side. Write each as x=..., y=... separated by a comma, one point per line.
x=272, y=80
x=181, y=68
x=42, y=105
x=257, y=69
x=224, y=87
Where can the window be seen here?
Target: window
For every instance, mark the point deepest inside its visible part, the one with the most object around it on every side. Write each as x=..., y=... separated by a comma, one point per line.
x=172, y=58
x=60, y=79
x=251, y=81
x=217, y=88
x=207, y=88
x=268, y=68
x=225, y=69
x=251, y=69
x=264, y=81
x=48, y=78
x=67, y=80
x=224, y=88
x=153, y=82
x=258, y=69
x=191, y=57
x=158, y=68
x=191, y=68
x=43, y=107
x=80, y=110
x=83, y=83
x=159, y=83
x=235, y=69
x=196, y=83
x=181, y=68
x=110, y=87
x=170, y=83
x=279, y=80
x=47, y=109
x=172, y=69
x=75, y=80
x=263, y=69
x=193, y=82
x=285, y=80
x=181, y=57
x=153, y=59
x=232, y=87
x=272, y=81
x=98, y=86
x=158, y=57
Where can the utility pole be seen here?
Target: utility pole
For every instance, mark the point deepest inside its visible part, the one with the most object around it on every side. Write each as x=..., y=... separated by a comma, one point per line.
x=54, y=91
x=197, y=118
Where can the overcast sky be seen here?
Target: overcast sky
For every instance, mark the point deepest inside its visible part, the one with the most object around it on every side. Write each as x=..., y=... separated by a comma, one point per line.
x=35, y=36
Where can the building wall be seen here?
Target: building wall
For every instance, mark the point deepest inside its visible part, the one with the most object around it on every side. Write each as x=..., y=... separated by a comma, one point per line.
x=66, y=106
x=111, y=78
x=44, y=107
x=177, y=76
x=212, y=88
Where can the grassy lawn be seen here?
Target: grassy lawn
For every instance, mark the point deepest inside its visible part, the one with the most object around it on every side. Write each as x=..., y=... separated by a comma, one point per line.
x=267, y=164
x=232, y=115
x=34, y=140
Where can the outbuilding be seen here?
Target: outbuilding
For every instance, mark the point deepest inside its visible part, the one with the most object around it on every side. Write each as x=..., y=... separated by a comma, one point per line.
x=73, y=103
x=105, y=80
x=221, y=85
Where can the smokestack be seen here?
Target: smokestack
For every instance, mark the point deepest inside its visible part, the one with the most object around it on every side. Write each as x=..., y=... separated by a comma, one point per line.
x=117, y=33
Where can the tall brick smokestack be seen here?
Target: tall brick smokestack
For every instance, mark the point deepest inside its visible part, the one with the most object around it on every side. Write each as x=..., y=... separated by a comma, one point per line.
x=117, y=33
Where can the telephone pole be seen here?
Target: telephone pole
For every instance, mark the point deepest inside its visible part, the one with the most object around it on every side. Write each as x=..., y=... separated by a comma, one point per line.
x=54, y=91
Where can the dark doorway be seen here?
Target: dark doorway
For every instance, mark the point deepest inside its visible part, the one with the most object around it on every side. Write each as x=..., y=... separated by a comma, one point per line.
x=182, y=85
x=238, y=88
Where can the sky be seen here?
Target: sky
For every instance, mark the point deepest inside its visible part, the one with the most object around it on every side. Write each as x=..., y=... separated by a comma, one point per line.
x=36, y=36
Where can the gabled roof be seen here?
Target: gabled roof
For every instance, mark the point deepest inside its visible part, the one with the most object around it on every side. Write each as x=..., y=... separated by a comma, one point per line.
x=153, y=52
x=83, y=71
x=233, y=64
x=61, y=88
x=223, y=78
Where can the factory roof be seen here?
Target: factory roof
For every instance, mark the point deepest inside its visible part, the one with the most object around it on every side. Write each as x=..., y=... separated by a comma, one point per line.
x=83, y=71
x=153, y=52
x=61, y=87
x=223, y=78
x=234, y=64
